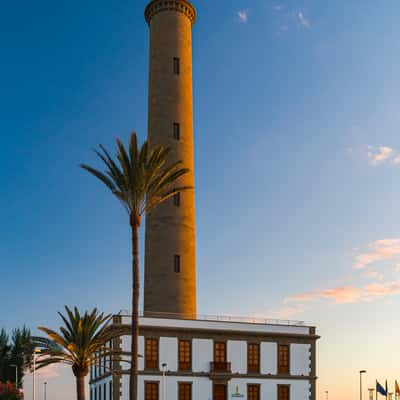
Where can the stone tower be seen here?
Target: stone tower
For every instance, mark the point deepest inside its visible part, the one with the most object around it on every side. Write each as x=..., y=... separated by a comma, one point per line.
x=170, y=249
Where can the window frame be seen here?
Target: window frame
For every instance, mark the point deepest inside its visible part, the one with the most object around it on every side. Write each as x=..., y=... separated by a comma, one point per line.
x=254, y=368
x=176, y=66
x=181, y=364
x=177, y=263
x=254, y=385
x=279, y=394
x=156, y=384
x=150, y=363
x=185, y=384
x=177, y=199
x=217, y=342
x=284, y=368
x=177, y=131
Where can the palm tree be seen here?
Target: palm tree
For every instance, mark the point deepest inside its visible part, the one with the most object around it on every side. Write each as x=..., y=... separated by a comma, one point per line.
x=142, y=180
x=77, y=343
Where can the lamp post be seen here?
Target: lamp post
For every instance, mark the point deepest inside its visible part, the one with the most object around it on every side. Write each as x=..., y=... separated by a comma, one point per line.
x=35, y=351
x=371, y=393
x=164, y=367
x=363, y=371
x=16, y=375
x=45, y=390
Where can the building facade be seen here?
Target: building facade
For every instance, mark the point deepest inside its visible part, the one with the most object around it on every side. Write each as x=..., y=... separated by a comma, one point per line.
x=201, y=359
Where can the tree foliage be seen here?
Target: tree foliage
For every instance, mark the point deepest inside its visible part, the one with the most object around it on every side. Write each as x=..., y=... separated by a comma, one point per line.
x=15, y=352
x=8, y=391
x=76, y=343
x=140, y=178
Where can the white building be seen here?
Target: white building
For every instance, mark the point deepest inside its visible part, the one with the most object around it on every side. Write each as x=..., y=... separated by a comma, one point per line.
x=217, y=359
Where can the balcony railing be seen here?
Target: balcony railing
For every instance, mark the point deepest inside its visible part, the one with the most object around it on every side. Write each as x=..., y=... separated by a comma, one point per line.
x=220, y=367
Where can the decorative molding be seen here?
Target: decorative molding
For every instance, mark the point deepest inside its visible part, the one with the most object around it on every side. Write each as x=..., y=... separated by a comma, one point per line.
x=182, y=6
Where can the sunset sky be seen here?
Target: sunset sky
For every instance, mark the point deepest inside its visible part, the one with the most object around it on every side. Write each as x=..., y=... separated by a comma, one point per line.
x=297, y=168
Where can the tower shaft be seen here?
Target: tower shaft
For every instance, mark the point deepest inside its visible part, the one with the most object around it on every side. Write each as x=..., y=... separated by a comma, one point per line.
x=170, y=250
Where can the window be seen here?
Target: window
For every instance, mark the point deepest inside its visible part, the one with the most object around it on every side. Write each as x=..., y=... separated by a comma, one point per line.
x=253, y=357
x=283, y=359
x=152, y=353
x=110, y=390
x=151, y=391
x=100, y=392
x=219, y=392
x=220, y=352
x=105, y=391
x=184, y=391
x=91, y=394
x=177, y=131
x=177, y=66
x=283, y=392
x=253, y=392
x=177, y=263
x=185, y=355
x=177, y=199
x=95, y=393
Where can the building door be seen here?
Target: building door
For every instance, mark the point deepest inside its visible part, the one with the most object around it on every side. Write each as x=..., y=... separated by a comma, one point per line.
x=220, y=392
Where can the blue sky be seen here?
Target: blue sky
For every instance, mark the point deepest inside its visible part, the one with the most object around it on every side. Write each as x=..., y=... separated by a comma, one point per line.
x=297, y=176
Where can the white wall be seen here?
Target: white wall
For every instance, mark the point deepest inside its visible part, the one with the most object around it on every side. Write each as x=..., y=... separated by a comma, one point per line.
x=300, y=359
x=169, y=353
x=202, y=354
x=269, y=358
x=237, y=356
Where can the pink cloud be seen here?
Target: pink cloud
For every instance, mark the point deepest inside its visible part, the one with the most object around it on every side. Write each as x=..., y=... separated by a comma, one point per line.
x=347, y=294
x=374, y=275
x=380, y=250
x=379, y=155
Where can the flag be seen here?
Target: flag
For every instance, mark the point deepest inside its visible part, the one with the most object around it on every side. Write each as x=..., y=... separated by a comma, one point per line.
x=380, y=389
x=397, y=388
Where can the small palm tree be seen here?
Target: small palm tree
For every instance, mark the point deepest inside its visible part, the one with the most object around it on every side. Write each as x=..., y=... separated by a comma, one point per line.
x=77, y=343
x=142, y=180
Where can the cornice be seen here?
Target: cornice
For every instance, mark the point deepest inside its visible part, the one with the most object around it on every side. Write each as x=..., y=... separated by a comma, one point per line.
x=182, y=6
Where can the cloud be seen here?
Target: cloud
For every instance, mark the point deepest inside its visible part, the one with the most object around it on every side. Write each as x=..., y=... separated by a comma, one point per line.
x=243, y=16
x=379, y=155
x=346, y=294
x=380, y=250
x=375, y=275
x=303, y=20
x=396, y=160
x=349, y=294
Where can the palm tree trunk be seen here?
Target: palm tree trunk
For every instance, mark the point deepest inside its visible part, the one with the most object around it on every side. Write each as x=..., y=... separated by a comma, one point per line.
x=135, y=223
x=80, y=387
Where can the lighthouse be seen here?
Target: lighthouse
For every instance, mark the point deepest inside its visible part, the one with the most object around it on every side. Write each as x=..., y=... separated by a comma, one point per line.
x=170, y=243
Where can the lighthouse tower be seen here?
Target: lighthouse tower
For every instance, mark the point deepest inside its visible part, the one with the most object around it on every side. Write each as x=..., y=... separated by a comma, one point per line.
x=170, y=249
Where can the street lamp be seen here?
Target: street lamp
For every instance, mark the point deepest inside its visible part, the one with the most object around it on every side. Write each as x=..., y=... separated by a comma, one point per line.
x=371, y=393
x=45, y=390
x=16, y=375
x=363, y=371
x=35, y=351
x=164, y=367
